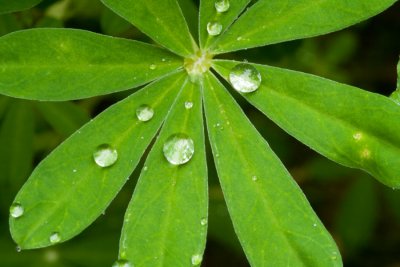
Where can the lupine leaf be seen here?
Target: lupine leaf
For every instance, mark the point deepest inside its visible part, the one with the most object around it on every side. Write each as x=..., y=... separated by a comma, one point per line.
x=165, y=224
x=68, y=190
x=348, y=125
x=65, y=64
x=275, y=21
x=208, y=13
x=272, y=218
x=191, y=14
x=163, y=21
x=7, y=6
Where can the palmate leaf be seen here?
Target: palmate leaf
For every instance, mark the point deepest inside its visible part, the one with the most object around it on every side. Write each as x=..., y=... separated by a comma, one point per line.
x=271, y=216
x=66, y=64
x=68, y=191
x=348, y=125
x=275, y=21
x=166, y=221
x=7, y=6
x=163, y=21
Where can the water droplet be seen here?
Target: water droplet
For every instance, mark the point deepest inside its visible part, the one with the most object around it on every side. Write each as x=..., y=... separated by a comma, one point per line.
x=222, y=5
x=74, y=170
x=315, y=225
x=214, y=28
x=204, y=221
x=16, y=210
x=254, y=178
x=55, y=238
x=153, y=66
x=163, y=59
x=122, y=263
x=188, y=105
x=245, y=78
x=144, y=113
x=178, y=149
x=105, y=155
x=145, y=168
x=18, y=249
x=197, y=259
x=358, y=136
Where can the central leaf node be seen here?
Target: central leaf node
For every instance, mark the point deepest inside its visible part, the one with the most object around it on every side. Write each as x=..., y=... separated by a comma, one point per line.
x=198, y=63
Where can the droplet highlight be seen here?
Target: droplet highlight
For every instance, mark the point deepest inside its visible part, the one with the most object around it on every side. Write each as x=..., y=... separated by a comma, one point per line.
x=105, y=155
x=214, y=28
x=178, y=149
x=245, y=78
x=188, y=105
x=144, y=113
x=16, y=210
x=222, y=5
x=122, y=263
x=196, y=259
x=55, y=238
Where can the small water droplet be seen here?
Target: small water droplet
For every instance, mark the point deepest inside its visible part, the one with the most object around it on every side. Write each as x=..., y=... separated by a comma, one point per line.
x=55, y=238
x=122, y=263
x=105, y=155
x=18, y=249
x=245, y=78
x=315, y=225
x=153, y=66
x=144, y=113
x=204, y=221
x=358, y=136
x=163, y=59
x=222, y=5
x=145, y=168
x=254, y=178
x=214, y=28
x=178, y=149
x=16, y=210
x=188, y=105
x=74, y=170
x=197, y=259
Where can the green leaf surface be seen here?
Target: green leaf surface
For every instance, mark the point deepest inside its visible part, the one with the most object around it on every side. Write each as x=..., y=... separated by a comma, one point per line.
x=163, y=21
x=64, y=117
x=7, y=6
x=68, y=190
x=191, y=14
x=208, y=13
x=347, y=125
x=272, y=218
x=275, y=21
x=65, y=64
x=163, y=224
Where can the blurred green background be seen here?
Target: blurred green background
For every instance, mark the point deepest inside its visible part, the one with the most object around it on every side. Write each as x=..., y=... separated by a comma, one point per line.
x=362, y=215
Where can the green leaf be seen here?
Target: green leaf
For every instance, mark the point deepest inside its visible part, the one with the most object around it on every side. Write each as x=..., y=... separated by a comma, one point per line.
x=8, y=23
x=272, y=218
x=275, y=21
x=163, y=21
x=65, y=64
x=7, y=6
x=165, y=224
x=68, y=191
x=65, y=117
x=191, y=13
x=396, y=94
x=208, y=13
x=347, y=125
x=112, y=24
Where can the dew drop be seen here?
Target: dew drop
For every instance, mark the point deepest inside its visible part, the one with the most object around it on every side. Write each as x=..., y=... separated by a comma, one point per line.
x=122, y=263
x=144, y=113
x=197, y=259
x=214, y=28
x=222, y=5
x=18, y=249
x=178, y=149
x=254, y=178
x=315, y=225
x=153, y=67
x=188, y=105
x=16, y=210
x=55, y=238
x=105, y=155
x=245, y=78
x=204, y=221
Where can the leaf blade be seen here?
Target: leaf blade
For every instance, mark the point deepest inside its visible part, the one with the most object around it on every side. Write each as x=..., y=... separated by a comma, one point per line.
x=66, y=64
x=68, y=190
x=7, y=6
x=280, y=227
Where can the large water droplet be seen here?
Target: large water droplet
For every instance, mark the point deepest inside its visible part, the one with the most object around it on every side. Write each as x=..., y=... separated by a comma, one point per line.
x=122, y=263
x=214, y=28
x=178, y=149
x=144, y=113
x=105, y=155
x=245, y=78
x=197, y=259
x=16, y=210
x=222, y=5
x=55, y=238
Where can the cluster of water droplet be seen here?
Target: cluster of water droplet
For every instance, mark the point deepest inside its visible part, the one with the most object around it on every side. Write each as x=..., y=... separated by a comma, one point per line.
x=214, y=28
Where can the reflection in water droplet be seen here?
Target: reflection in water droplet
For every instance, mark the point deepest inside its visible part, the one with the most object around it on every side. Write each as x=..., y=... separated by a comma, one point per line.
x=122, y=263
x=197, y=259
x=105, y=155
x=16, y=210
x=144, y=113
x=214, y=28
x=204, y=221
x=245, y=78
x=222, y=5
x=178, y=149
x=188, y=105
x=55, y=238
